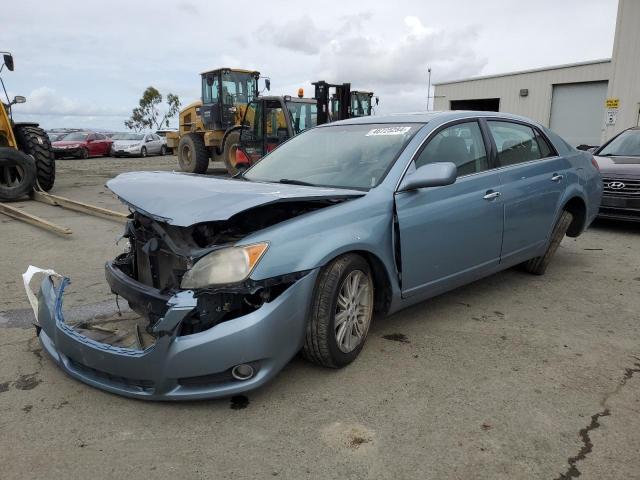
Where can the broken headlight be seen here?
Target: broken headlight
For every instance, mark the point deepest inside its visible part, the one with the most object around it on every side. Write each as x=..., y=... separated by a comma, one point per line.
x=224, y=266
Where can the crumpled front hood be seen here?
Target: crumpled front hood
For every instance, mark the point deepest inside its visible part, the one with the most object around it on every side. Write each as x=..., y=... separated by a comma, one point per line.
x=183, y=199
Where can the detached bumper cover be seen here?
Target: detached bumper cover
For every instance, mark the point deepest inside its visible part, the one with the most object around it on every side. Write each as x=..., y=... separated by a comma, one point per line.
x=181, y=367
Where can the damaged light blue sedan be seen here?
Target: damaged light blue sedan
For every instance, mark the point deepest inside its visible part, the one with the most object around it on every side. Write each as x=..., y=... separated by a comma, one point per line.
x=233, y=277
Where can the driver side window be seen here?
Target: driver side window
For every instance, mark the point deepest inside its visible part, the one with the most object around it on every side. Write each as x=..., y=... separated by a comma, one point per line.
x=461, y=144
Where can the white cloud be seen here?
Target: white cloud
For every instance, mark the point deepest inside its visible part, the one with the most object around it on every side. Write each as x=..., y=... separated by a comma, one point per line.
x=298, y=35
x=46, y=101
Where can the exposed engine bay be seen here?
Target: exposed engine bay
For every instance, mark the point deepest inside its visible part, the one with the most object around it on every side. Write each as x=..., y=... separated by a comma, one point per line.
x=159, y=254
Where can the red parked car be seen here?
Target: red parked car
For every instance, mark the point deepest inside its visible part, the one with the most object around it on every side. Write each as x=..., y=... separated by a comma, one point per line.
x=82, y=145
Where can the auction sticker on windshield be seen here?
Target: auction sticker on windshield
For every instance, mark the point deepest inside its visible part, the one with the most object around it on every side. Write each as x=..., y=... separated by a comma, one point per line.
x=388, y=131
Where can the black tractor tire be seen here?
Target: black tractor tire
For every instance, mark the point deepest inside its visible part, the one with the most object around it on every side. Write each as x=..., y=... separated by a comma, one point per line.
x=538, y=265
x=34, y=142
x=192, y=154
x=84, y=154
x=229, y=152
x=143, y=152
x=17, y=174
x=321, y=345
x=163, y=150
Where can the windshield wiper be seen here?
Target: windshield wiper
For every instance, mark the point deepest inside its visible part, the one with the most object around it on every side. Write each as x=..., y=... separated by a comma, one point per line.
x=296, y=182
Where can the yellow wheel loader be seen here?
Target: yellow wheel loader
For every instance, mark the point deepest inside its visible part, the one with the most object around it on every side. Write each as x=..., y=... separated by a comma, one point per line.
x=26, y=157
x=209, y=129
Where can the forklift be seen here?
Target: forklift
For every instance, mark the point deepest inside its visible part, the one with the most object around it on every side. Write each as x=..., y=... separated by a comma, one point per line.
x=271, y=120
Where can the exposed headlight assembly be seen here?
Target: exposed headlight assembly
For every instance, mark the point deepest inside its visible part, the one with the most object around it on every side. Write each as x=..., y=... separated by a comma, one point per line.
x=224, y=266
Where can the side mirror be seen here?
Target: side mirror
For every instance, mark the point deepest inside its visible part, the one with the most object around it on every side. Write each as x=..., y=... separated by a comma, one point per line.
x=8, y=61
x=430, y=175
x=18, y=99
x=267, y=84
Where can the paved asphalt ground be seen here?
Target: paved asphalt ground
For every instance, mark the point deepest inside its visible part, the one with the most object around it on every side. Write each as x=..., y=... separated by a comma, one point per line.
x=512, y=377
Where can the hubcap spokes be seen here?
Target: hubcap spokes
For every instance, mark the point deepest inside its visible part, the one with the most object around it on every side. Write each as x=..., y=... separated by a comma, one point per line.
x=353, y=310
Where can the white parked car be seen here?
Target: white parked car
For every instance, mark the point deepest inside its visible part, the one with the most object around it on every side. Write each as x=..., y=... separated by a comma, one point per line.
x=137, y=144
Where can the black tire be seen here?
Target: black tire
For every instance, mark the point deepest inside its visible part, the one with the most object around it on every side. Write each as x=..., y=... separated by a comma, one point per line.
x=17, y=174
x=321, y=345
x=229, y=153
x=34, y=142
x=143, y=152
x=192, y=154
x=84, y=154
x=538, y=265
x=163, y=150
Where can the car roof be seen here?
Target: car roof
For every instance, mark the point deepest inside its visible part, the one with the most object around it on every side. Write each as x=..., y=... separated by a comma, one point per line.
x=425, y=117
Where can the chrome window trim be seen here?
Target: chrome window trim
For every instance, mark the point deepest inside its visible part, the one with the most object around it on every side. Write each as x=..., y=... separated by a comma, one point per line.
x=477, y=118
x=426, y=139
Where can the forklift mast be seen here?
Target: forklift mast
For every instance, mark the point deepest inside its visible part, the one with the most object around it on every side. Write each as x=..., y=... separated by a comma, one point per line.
x=342, y=99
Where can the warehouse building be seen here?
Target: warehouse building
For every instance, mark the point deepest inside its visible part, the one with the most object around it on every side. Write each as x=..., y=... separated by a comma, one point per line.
x=586, y=103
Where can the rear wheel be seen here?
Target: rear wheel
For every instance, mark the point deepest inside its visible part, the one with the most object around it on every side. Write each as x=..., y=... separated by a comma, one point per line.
x=538, y=265
x=17, y=174
x=341, y=312
x=229, y=155
x=34, y=142
x=163, y=150
x=192, y=154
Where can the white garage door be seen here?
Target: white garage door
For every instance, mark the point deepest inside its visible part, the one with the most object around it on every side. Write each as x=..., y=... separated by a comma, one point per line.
x=577, y=112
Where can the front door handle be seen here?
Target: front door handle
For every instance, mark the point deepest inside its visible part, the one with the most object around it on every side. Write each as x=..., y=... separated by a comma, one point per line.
x=491, y=195
x=556, y=177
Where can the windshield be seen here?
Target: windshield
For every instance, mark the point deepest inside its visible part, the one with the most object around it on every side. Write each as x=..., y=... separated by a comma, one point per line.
x=238, y=87
x=344, y=156
x=303, y=115
x=78, y=136
x=127, y=136
x=627, y=144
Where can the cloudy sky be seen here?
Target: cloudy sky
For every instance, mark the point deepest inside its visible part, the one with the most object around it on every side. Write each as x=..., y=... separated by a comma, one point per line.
x=85, y=64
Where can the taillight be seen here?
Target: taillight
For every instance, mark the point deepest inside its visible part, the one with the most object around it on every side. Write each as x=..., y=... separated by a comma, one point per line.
x=241, y=158
x=595, y=164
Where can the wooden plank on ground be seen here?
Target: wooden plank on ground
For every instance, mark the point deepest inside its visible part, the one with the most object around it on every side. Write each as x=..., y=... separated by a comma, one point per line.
x=33, y=220
x=78, y=206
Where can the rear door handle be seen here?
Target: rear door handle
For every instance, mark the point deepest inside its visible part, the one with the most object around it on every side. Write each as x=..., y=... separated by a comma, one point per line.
x=491, y=195
x=556, y=177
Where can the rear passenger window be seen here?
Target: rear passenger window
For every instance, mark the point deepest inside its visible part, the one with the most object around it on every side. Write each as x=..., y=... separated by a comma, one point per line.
x=518, y=143
x=461, y=144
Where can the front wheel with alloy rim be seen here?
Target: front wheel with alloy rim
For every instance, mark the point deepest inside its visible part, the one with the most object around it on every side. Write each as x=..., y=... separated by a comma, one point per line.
x=192, y=154
x=84, y=154
x=143, y=152
x=341, y=312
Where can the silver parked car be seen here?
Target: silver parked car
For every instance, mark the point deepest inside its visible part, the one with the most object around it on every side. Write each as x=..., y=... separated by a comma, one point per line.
x=233, y=277
x=138, y=144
